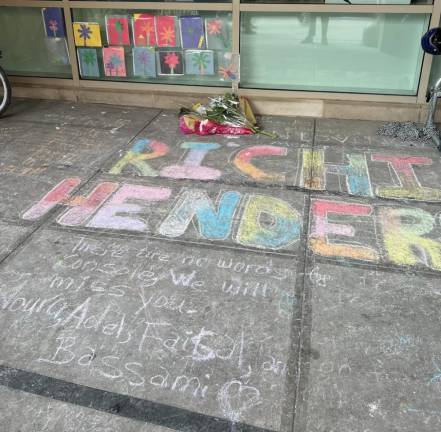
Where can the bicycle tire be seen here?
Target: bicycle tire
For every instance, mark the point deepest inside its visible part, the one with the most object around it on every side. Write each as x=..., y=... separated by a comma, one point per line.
x=4, y=104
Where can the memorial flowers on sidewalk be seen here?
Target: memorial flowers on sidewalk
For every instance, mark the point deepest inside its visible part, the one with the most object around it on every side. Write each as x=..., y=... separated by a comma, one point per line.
x=226, y=114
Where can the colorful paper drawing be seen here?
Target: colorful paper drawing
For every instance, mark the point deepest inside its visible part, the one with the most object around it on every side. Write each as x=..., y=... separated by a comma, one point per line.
x=192, y=32
x=144, y=61
x=87, y=34
x=53, y=22
x=88, y=61
x=199, y=62
x=228, y=66
x=114, y=62
x=166, y=31
x=56, y=49
x=144, y=30
x=117, y=28
x=218, y=33
x=170, y=63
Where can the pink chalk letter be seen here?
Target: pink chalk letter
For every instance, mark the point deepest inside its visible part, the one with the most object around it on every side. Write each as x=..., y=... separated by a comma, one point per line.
x=58, y=195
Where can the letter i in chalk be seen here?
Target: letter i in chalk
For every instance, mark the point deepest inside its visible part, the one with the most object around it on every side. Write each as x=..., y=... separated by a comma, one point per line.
x=191, y=165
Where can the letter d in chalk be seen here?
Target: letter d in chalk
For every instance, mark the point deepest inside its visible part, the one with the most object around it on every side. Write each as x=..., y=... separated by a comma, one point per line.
x=282, y=228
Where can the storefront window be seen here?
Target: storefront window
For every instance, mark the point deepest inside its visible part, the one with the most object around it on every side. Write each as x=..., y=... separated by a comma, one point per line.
x=363, y=53
x=33, y=42
x=170, y=47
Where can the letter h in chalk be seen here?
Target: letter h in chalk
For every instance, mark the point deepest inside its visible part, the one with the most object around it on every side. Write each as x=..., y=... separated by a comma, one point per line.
x=114, y=214
x=82, y=207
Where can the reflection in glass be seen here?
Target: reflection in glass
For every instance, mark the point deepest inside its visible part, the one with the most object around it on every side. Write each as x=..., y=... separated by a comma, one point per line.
x=33, y=42
x=366, y=53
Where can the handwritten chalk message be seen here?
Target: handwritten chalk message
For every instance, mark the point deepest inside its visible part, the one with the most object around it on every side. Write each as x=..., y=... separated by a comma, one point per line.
x=201, y=329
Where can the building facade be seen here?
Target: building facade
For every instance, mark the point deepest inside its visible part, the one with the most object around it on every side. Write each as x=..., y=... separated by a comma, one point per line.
x=325, y=59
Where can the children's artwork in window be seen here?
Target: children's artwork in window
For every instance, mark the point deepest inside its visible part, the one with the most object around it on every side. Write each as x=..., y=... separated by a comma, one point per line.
x=199, y=62
x=166, y=31
x=114, y=62
x=218, y=32
x=117, y=30
x=87, y=34
x=192, y=32
x=88, y=61
x=170, y=63
x=144, y=61
x=54, y=22
x=144, y=30
x=228, y=66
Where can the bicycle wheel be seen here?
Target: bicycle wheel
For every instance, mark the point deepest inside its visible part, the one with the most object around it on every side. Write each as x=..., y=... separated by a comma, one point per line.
x=5, y=92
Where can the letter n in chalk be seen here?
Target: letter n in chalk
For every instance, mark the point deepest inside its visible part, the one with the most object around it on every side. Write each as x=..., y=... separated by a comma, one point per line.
x=281, y=228
x=212, y=224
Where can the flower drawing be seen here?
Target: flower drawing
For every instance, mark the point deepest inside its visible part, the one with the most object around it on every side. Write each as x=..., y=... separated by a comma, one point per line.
x=53, y=27
x=171, y=60
x=168, y=36
x=215, y=26
x=227, y=73
x=85, y=32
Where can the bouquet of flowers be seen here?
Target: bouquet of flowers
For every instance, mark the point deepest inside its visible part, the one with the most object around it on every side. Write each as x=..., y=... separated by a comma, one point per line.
x=226, y=114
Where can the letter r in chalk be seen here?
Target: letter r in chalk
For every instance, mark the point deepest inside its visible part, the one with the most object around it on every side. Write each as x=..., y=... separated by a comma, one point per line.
x=191, y=167
x=81, y=207
x=137, y=157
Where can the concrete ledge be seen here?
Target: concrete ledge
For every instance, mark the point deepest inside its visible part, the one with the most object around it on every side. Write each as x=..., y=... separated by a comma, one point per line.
x=319, y=108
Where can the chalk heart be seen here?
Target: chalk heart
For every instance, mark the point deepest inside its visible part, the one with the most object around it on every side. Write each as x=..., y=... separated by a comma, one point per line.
x=235, y=398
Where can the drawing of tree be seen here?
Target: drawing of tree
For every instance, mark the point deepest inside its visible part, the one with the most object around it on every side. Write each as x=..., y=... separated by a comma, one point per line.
x=85, y=32
x=200, y=60
x=144, y=59
x=147, y=28
x=110, y=66
x=168, y=35
x=171, y=60
x=89, y=59
x=116, y=62
x=53, y=27
x=119, y=28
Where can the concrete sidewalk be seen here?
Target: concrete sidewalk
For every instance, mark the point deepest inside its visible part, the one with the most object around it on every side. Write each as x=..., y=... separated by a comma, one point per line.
x=152, y=281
